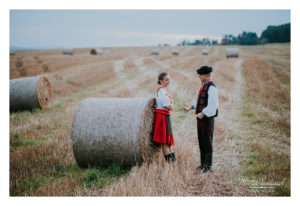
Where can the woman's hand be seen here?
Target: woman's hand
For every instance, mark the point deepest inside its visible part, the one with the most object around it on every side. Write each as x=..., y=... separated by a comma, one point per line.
x=187, y=107
x=170, y=108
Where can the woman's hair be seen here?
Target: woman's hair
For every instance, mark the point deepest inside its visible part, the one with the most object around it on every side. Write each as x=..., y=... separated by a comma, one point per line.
x=161, y=77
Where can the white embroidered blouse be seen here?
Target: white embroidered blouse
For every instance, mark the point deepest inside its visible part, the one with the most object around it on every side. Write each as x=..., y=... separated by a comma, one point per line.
x=163, y=99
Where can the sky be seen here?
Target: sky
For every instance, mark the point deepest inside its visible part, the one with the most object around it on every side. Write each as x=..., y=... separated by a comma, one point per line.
x=105, y=28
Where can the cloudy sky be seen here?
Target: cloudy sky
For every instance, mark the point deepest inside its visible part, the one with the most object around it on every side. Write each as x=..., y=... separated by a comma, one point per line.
x=104, y=28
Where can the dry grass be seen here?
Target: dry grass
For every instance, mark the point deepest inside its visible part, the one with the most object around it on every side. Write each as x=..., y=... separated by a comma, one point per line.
x=267, y=112
x=31, y=65
x=130, y=65
x=266, y=90
x=37, y=159
x=41, y=156
x=158, y=178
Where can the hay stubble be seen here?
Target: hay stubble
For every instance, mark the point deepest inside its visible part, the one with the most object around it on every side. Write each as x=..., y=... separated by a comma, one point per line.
x=75, y=78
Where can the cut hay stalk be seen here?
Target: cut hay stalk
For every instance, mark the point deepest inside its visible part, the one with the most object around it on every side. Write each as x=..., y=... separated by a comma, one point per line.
x=29, y=93
x=113, y=130
x=232, y=52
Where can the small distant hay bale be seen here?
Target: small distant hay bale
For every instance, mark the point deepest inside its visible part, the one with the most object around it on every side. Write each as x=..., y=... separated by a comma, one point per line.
x=232, y=52
x=12, y=53
x=96, y=51
x=205, y=52
x=175, y=52
x=69, y=51
x=114, y=130
x=29, y=93
x=154, y=52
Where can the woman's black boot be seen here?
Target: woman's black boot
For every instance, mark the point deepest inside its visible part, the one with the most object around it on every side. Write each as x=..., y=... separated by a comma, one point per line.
x=167, y=157
x=173, y=157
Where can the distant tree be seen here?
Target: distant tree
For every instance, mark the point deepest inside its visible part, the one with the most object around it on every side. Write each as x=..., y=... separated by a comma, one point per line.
x=247, y=38
x=214, y=42
x=229, y=40
x=206, y=41
x=272, y=34
x=197, y=42
x=281, y=33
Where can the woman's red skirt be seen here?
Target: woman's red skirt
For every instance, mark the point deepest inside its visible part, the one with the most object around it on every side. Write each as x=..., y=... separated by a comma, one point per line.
x=162, y=127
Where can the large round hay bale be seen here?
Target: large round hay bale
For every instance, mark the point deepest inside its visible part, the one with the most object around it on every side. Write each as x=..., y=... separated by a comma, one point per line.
x=29, y=93
x=69, y=51
x=232, y=52
x=113, y=130
x=175, y=52
x=154, y=52
x=204, y=52
x=96, y=51
x=12, y=53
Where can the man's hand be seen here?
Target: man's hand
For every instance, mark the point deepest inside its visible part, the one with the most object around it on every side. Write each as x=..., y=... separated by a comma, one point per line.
x=187, y=107
x=200, y=115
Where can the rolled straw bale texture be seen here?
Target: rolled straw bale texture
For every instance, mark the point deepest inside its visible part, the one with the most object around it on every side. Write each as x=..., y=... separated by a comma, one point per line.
x=232, y=52
x=175, y=52
x=30, y=92
x=204, y=52
x=69, y=51
x=154, y=52
x=96, y=51
x=114, y=130
x=12, y=53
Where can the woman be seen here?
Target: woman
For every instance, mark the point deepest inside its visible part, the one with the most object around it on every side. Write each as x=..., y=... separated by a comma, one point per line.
x=162, y=124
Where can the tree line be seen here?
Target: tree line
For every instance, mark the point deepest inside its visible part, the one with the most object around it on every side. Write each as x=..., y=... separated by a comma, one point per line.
x=272, y=34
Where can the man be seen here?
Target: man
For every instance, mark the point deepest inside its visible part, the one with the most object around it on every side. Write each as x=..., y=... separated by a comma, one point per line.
x=206, y=108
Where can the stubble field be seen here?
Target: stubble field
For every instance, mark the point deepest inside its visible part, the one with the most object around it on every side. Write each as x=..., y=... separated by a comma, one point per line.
x=251, y=139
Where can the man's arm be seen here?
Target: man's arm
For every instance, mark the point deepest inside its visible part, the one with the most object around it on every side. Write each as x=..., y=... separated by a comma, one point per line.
x=188, y=108
x=212, y=104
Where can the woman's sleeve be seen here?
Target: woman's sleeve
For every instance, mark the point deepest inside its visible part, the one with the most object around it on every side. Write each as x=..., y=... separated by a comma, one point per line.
x=162, y=95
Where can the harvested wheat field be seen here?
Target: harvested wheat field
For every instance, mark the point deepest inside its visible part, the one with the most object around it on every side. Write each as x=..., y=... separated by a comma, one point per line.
x=252, y=132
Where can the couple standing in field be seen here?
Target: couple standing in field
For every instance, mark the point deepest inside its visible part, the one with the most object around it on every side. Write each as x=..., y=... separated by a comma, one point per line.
x=206, y=108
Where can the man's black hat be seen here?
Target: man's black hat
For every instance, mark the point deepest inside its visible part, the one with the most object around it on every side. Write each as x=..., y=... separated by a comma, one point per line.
x=204, y=70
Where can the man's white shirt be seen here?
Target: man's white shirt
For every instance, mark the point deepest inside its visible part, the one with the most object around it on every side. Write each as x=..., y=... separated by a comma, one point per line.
x=212, y=102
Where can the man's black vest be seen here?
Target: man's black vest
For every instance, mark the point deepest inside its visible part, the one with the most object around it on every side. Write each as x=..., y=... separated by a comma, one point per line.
x=203, y=98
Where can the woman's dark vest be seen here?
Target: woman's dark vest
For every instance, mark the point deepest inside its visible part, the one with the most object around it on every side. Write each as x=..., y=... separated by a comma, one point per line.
x=203, y=98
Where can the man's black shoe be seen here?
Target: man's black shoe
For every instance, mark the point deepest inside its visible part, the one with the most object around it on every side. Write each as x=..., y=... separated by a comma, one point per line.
x=199, y=167
x=206, y=170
